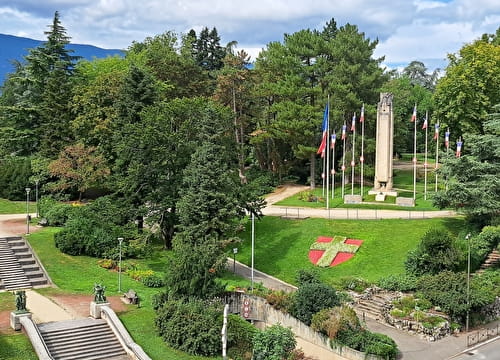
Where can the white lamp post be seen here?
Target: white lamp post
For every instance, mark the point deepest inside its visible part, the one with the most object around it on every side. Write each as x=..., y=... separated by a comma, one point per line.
x=36, y=195
x=120, y=240
x=253, y=246
x=27, y=211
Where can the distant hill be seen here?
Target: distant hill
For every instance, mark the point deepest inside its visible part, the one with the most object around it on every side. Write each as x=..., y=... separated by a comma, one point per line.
x=15, y=48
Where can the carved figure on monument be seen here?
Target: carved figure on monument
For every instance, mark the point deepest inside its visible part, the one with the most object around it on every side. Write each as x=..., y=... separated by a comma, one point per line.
x=99, y=293
x=20, y=300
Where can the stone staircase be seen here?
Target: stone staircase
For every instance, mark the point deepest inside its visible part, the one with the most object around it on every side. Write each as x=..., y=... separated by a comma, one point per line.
x=19, y=269
x=373, y=306
x=492, y=260
x=89, y=339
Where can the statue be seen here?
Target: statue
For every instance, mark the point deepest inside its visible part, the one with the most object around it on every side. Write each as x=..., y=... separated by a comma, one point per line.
x=20, y=301
x=99, y=293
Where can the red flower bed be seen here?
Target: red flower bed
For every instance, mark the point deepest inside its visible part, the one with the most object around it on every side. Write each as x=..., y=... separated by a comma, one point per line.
x=315, y=255
x=324, y=239
x=353, y=242
x=341, y=257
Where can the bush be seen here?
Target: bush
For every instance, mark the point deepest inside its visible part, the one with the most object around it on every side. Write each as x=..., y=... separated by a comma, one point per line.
x=192, y=326
x=107, y=264
x=306, y=276
x=435, y=253
x=280, y=300
x=482, y=244
x=274, y=343
x=153, y=280
x=353, y=283
x=331, y=321
x=240, y=334
x=14, y=175
x=400, y=282
x=56, y=213
x=311, y=298
x=368, y=342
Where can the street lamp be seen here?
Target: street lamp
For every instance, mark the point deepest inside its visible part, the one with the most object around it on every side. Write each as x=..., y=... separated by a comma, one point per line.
x=253, y=246
x=120, y=240
x=235, y=251
x=36, y=196
x=468, y=282
x=27, y=211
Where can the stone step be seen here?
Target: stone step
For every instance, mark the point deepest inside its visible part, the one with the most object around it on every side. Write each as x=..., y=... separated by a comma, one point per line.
x=19, y=249
x=30, y=267
x=34, y=274
x=38, y=282
x=23, y=255
x=27, y=261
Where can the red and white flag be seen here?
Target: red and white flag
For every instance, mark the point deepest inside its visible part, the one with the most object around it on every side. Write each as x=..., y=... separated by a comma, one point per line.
x=362, y=116
x=424, y=125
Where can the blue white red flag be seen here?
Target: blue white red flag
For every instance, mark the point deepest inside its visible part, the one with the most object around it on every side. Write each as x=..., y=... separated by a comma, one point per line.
x=362, y=116
x=324, y=129
x=353, y=124
x=344, y=131
x=447, y=139
x=436, y=131
x=414, y=115
x=424, y=125
x=459, y=148
x=333, y=140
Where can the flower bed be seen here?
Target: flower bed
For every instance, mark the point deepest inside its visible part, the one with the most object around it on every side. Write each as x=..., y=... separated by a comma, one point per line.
x=327, y=251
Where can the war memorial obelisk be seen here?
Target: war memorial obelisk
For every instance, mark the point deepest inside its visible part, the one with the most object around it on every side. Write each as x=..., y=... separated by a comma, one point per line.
x=382, y=185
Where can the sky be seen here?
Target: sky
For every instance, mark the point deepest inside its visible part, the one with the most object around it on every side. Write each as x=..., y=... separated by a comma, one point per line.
x=422, y=30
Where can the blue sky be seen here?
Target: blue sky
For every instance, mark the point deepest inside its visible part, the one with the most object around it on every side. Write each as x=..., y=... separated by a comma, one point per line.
x=423, y=30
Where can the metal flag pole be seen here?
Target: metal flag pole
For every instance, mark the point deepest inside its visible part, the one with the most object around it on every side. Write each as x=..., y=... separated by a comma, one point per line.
x=332, y=144
x=436, y=137
x=425, y=158
x=344, y=129
x=362, y=158
x=414, y=119
x=327, y=149
x=447, y=144
x=353, y=163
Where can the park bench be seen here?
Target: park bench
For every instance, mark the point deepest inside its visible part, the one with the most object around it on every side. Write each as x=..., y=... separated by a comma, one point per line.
x=131, y=297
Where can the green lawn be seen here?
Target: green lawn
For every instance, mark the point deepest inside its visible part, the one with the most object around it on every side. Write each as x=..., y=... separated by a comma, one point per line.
x=16, y=347
x=281, y=246
x=77, y=275
x=16, y=207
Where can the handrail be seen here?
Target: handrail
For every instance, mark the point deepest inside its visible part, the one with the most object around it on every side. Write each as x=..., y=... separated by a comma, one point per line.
x=122, y=334
x=36, y=338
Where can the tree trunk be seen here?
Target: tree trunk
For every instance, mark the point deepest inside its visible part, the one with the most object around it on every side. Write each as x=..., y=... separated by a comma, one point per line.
x=313, y=171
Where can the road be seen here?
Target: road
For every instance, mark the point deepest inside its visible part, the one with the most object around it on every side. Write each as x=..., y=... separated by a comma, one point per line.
x=486, y=351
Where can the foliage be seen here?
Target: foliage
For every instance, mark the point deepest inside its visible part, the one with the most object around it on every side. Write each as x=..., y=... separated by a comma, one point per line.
x=192, y=326
x=435, y=253
x=240, y=334
x=332, y=320
x=14, y=177
x=274, y=343
x=78, y=168
x=368, y=342
x=353, y=283
x=55, y=212
x=307, y=276
x=398, y=282
x=280, y=300
x=473, y=184
x=153, y=280
x=482, y=244
x=311, y=298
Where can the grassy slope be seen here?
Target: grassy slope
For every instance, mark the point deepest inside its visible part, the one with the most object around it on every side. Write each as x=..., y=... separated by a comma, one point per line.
x=77, y=275
x=282, y=245
x=16, y=207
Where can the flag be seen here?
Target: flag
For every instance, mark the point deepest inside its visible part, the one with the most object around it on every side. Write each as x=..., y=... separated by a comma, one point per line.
x=459, y=148
x=344, y=131
x=414, y=115
x=353, y=124
x=447, y=138
x=333, y=140
x=424, y=126
x=436, y=131
x=324, y=129
x=362, y=116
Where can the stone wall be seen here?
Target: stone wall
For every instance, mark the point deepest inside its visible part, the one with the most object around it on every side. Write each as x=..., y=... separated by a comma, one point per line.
x=491, y=312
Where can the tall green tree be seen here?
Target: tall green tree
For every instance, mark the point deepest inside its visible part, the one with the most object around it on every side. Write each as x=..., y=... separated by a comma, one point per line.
x=466, y=94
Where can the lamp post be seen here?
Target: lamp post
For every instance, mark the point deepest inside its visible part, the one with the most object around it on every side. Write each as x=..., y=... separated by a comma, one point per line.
x=27, y=210
x=120, y=240
x=36, y=195
x=253, y=246
x=468, y=282
x=235, y=251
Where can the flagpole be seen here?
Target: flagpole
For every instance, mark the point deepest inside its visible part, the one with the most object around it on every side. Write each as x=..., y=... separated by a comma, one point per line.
x=327, y=169
x=344, y=130
x=323, y=175
x=353, y=129
x=415, y=155
x=361, y=158
x=436, y=134
x=447, y=144
x=425, y=159
x=333, y=141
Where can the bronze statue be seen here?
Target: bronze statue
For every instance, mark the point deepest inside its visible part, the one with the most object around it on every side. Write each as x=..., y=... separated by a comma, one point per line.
x=99, y=293
x=20, y=300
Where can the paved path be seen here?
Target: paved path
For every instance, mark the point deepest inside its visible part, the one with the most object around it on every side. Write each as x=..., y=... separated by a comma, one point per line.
x=44, y=309
x=285, y=191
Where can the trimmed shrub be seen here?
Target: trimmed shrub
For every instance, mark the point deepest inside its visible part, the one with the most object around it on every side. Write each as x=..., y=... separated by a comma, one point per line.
x=56, y=213
x=306, y=276
x=368, y=342
x=399, y=282
x=280, y=300
x=331, y=321
x=353, y=283
x=192, y=326
x=153, y=280
x=240, y=334
x=274, y=343
x=311, y=298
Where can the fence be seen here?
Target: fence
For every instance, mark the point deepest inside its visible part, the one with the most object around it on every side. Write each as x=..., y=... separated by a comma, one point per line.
x=482, y=335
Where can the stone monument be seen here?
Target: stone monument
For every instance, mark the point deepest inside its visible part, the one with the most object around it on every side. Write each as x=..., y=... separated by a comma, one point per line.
x=382, y=185
x=99, y=301
x=20, y=312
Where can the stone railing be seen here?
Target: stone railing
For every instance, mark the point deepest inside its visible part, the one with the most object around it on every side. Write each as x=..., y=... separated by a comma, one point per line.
x=36, y=338
x=133, y=350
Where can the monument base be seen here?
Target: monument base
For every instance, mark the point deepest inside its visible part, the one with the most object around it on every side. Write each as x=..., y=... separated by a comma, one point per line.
x=383, y=192
x=403, y=201
x=95, y=309
x=353, y=199
x=15, y=319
